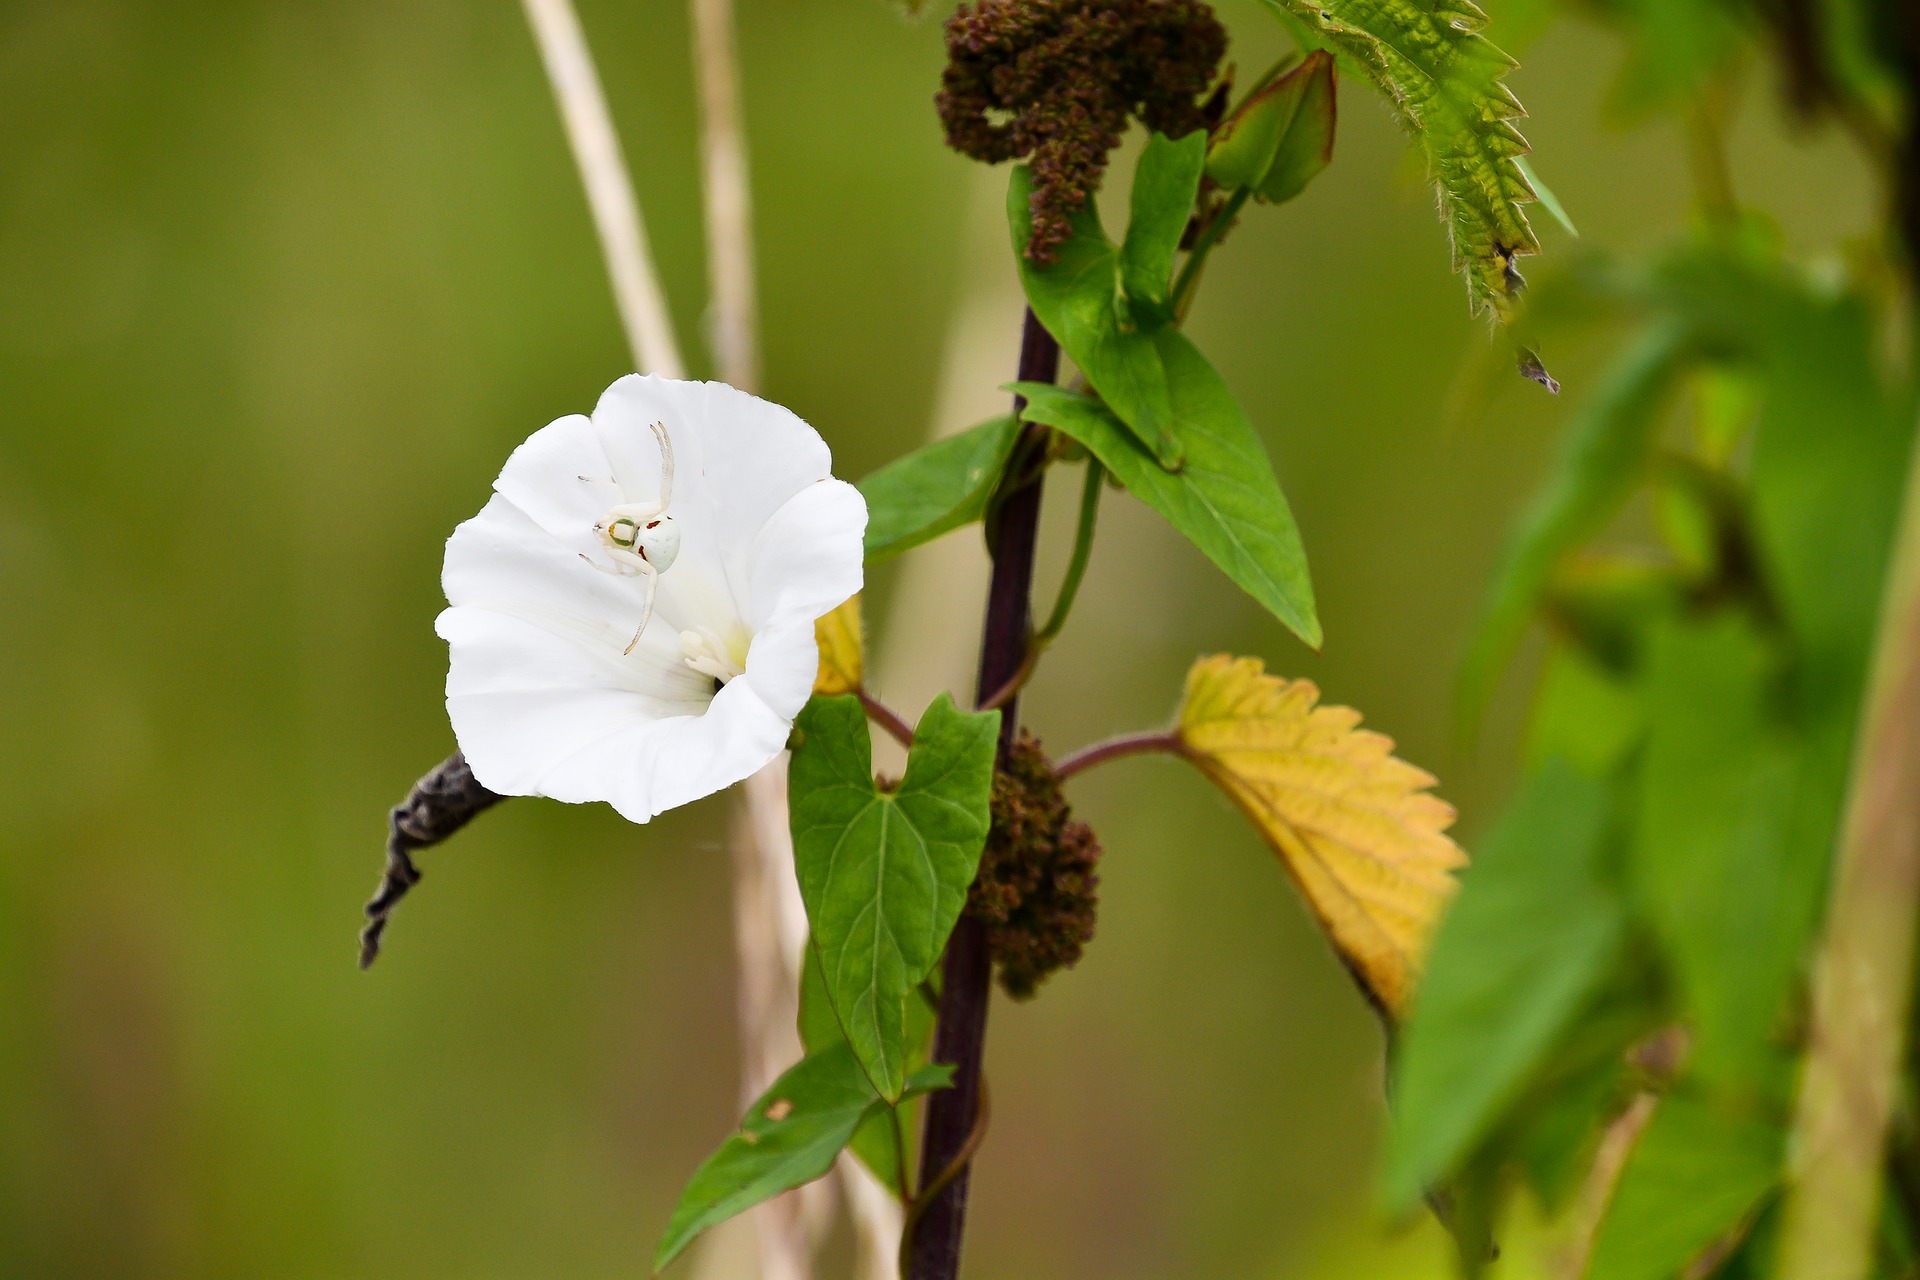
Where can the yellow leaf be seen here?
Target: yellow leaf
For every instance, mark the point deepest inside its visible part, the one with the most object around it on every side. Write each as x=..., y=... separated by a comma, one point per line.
x=1355, y=826
x=840, y=649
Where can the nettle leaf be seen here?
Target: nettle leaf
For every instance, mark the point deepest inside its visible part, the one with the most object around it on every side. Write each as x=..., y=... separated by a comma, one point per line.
x=1443, y=80
x=1079, y=300
x=1354, y=825
x=1697, y=1177
x=789, y=1137
x=1522, y=952
x=1225, y=500
x=842, y=642
x=936, y=489
x=885, y=873
x=1602, y=458
x=1164, y=185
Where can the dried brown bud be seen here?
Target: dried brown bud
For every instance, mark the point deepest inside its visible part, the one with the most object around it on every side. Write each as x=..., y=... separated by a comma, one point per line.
x=1038, y=885
x=1057, y=79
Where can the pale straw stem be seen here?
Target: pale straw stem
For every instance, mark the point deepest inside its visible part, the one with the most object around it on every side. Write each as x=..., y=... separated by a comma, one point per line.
x=616, y=213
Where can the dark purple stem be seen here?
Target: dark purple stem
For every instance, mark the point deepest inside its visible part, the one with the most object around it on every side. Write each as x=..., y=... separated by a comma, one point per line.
x=967, y=974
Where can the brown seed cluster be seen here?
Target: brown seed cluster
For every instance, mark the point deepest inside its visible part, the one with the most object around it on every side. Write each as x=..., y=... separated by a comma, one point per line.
x=1057, y=79
x=1038, y=888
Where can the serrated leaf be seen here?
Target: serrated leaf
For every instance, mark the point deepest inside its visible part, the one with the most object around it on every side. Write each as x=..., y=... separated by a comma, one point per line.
x=1164, y=184
x=936, y=489
x=885, y=873
x=1079, y=300
x=789, y=1136
x=1601, y=458
x=1225, y=500
x=842, y=643
x=1520, y=954
x=1444, y=82
x=1355, y=826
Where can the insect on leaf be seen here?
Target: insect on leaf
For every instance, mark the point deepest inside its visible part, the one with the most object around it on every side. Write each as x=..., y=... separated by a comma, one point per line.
x=884, y=874
x=1444, y=81
x=842, y=644
x=1355, y=826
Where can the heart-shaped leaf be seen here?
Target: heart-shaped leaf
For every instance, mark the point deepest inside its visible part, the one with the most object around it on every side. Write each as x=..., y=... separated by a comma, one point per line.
x=884, y=873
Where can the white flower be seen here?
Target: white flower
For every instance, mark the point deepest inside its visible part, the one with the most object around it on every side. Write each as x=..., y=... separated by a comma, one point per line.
x=562, y=682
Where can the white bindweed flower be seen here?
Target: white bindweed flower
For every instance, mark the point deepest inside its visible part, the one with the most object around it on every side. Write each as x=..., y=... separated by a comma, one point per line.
x=633, y=611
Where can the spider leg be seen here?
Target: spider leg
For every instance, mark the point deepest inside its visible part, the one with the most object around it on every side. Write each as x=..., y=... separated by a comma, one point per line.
x=594, y=564
x=659, y=430
x=646, y=610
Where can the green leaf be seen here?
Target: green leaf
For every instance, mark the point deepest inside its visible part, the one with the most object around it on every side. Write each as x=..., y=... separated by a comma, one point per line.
x=1548, y=201
x=818, y=1104
x=1079, y=301
x=936, y=489
x=1601, y=458
x=1697, y=1175
x=790, y=1136
x=1164, y=185
x=1306, y=144
x=1585, y=714
x=1225, y=501
x=874, y=1142
x=1731, y=894
x=885, y=873
x=1829, y=455
x=1528, y=942
x=1443, y=80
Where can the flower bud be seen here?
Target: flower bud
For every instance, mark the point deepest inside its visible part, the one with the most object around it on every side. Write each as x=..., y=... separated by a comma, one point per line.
x=1281, y=136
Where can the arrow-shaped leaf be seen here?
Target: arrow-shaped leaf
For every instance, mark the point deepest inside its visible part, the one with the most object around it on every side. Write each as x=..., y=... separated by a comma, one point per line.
x=789, y=1137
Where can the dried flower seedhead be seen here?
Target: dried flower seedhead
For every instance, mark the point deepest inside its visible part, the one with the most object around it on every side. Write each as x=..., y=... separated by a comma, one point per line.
x=1057, y=79
x=1038, y=887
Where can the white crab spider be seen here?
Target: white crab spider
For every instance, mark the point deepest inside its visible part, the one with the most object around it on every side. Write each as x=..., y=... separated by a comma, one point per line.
x=640, y=537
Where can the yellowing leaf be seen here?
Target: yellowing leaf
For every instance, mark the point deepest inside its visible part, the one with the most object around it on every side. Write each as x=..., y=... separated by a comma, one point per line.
x=839, y=635
x=1355, y=825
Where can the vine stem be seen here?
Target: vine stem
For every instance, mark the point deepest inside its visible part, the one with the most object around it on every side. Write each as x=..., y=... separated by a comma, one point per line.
x=1132, y=744
x=616, y=211
x=933, y=1249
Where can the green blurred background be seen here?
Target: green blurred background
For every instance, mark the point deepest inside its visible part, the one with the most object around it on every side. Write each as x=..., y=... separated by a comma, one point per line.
x=280, y=287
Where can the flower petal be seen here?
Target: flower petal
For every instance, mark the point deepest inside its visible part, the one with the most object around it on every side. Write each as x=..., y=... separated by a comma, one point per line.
x=560, y=476
x=807, y=558
x=647, y=767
